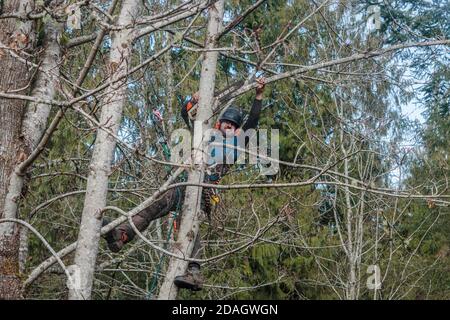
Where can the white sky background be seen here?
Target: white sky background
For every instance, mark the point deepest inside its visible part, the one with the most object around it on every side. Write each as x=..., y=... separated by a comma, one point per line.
x=413, y=111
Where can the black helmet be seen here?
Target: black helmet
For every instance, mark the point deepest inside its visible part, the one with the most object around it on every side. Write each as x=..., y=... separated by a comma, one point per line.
x=232, y=114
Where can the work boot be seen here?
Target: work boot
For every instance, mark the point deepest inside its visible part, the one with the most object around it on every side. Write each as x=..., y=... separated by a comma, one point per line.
x=191, y=280
x=115, y=238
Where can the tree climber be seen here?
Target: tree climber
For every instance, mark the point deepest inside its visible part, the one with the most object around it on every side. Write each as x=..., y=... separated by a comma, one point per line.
x=230, y=125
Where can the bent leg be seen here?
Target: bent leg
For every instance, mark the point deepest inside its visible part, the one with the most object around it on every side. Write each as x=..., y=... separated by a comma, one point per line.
x=124, y=233
x=162, y=206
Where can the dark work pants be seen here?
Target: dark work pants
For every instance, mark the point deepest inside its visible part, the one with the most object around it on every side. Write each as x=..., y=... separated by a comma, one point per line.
x=167, y=202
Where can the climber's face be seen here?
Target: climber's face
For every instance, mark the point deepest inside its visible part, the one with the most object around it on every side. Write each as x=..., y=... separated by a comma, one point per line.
x=227, y=128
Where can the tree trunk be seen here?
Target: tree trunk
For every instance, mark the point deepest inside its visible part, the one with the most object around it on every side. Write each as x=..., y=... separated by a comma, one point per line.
x=190, y=223
x=14, y=74
x=36, y=114
x=97, y=184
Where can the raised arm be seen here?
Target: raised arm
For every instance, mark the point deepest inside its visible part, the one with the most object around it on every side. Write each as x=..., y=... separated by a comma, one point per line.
x=255, y=112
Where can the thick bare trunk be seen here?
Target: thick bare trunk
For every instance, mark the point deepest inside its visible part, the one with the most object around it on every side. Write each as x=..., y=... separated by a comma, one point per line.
x=97, y=185
x=14, y=74
x=36, y=114
x=190, y=221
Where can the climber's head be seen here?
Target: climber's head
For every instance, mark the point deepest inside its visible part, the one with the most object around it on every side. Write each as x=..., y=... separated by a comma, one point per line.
x=230, y=120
